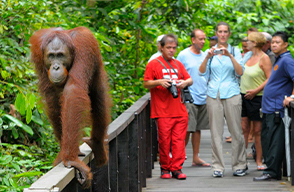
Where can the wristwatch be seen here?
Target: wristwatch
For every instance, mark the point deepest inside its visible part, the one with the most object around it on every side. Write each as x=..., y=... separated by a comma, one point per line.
x=292, y=96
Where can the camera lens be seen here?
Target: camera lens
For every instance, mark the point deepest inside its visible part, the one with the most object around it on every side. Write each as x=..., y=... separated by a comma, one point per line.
x=174, y=91
x=187, y=95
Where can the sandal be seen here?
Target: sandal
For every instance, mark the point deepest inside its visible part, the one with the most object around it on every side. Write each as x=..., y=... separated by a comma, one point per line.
x=260, y=168
x=203, y=164
x=229, y=140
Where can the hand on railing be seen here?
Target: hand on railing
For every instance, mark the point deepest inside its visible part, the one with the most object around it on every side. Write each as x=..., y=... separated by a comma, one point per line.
x=287, y=101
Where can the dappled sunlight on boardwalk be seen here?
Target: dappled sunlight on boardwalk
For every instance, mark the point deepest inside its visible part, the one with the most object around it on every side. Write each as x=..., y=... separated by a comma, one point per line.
x=200, y=178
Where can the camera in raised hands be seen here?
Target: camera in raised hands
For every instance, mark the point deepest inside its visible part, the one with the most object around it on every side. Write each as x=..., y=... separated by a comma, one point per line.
x=218, y=51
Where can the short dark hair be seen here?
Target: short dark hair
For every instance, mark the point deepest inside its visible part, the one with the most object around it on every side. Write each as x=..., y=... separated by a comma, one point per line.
x=281, y=34
x=169, y=36
x=223, y=23
x=193, y=34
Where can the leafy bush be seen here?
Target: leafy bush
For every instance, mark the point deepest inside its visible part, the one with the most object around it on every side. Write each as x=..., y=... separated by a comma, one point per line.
x=21, y=165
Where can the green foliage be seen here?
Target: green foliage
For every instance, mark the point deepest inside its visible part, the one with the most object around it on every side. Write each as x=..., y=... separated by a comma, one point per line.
x=126, y=31
x=22, y=165
x=14, y=121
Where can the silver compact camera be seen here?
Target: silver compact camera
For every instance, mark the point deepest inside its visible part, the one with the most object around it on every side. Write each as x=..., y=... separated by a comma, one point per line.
x=218, y=51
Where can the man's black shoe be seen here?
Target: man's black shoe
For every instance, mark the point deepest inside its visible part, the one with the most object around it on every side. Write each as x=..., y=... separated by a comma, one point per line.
x=264, y=177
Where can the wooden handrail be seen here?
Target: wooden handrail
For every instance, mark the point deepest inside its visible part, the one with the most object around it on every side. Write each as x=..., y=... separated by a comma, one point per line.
x=59, y=178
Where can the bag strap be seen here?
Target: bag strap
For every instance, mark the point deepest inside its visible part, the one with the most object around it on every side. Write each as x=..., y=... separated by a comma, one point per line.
x=172, y=67
x=210, y=60
x=178, y=68
x=182, y=93
x=164, y=67
x=233, y=51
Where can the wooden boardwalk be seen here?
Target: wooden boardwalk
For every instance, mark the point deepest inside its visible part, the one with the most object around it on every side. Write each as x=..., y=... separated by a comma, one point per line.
x=200, y=178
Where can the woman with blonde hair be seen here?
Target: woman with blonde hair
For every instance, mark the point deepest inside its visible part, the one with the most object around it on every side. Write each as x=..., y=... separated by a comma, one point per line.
x=257, y=72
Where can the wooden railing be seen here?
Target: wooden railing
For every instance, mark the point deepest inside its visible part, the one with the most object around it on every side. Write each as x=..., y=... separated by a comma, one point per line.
x=132, y=150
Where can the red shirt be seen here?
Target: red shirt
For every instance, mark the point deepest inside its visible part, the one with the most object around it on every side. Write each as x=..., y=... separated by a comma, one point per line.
x=162, y=102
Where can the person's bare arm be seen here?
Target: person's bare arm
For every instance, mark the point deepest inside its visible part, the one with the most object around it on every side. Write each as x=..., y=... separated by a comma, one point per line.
x=202, y=68
x=266, y=66
x=184, y=83
x=154, y=83
x=238, y=68
x=287, y=100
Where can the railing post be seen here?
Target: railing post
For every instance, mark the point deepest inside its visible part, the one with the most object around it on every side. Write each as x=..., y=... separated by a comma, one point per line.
x=134, y=148
x=72, y=186
x=123, y=160
x=149, y=162
x=100, y=181
x=113, y=168
x=142, y=151
x=154, y=141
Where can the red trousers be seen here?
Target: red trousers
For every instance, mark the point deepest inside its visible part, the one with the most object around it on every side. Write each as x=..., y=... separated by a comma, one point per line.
x=172, y=132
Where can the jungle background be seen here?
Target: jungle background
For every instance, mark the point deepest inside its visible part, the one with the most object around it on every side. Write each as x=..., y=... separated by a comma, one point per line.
x=126, y=31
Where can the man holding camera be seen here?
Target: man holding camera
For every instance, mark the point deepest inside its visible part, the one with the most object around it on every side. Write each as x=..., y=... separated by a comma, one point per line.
x=192, y=57
x=279, y=85
x=165, y=77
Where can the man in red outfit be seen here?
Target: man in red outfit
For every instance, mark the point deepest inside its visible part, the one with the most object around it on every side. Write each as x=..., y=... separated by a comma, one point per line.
x=164, y=76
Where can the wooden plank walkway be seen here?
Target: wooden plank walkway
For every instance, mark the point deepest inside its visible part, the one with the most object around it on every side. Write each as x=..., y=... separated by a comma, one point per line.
x=200, y=178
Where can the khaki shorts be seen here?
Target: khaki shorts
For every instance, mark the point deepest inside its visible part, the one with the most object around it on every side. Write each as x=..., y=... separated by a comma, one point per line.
x=198, y=118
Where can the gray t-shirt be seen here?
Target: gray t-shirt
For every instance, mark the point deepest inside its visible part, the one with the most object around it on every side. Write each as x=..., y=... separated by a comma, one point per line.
x=271, y=56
